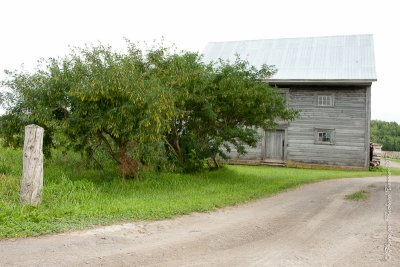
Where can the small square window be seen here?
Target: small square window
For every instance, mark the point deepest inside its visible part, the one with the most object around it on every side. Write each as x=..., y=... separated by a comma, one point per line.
x=324, y=136
x=325, y=100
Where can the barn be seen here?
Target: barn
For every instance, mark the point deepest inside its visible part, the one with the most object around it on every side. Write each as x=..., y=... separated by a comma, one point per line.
x=329, y=80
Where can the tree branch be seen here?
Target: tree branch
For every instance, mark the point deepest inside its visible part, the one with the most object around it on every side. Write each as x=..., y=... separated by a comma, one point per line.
x=171, y=147
x=110, y=150
x=176, y=140
x=93, y=156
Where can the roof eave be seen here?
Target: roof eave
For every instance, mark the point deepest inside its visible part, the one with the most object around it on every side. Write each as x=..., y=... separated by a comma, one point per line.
x=323, y=81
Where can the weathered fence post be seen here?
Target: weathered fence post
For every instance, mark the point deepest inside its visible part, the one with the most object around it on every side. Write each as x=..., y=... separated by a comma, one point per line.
x=32, y=177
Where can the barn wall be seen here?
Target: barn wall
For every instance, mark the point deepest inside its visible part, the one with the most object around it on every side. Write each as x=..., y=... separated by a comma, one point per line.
x=253, y=153
x=348, y=117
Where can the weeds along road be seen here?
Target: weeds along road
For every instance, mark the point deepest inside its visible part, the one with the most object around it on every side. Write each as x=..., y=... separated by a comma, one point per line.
x=310, y=226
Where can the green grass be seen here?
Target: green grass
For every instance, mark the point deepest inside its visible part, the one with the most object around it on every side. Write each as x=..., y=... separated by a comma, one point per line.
x=77, y=197
x=357, y=196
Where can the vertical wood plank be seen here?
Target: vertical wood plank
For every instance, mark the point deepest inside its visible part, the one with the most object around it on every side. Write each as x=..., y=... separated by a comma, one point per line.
x=367, y=125
x=32, y=177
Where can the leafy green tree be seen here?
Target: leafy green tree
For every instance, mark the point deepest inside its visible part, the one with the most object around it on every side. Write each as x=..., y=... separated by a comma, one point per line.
x=219, y=106
x=133, y=102
x=96, y=97
x=387, y=134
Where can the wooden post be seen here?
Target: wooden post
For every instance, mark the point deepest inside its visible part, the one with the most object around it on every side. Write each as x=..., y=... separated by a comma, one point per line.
x=32, y=177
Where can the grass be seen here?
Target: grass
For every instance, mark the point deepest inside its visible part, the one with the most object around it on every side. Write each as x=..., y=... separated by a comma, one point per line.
x=77, y=197
x=357, y=196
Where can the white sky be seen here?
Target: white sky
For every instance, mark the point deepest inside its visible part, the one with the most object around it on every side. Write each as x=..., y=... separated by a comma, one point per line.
x=30, y=30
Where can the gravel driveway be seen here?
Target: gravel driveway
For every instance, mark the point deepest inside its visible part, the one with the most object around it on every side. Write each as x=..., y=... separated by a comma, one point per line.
x=310, y=226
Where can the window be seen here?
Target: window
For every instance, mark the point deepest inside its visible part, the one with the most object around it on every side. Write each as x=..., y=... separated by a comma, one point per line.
x=324, y=136
x=325, y=101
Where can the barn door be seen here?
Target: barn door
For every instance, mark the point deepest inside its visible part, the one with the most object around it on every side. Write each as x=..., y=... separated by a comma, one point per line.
x=274, y=145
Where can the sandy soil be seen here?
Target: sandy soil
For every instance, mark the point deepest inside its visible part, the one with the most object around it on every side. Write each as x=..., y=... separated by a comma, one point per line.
x=310, y=226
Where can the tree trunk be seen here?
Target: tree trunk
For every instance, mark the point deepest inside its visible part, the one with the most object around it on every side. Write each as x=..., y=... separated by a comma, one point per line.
x=216, y=163
x=32, y=178
x=127, y=165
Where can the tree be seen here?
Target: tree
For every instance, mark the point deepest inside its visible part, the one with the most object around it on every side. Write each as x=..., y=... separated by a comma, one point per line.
x=95, y=97
x=387, y=134
x=219, y=105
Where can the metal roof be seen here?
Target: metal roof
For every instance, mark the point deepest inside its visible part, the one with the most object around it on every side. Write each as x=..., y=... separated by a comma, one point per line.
x=324, y=59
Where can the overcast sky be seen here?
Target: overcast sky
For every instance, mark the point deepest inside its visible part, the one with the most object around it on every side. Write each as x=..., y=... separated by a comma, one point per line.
x=43, y=28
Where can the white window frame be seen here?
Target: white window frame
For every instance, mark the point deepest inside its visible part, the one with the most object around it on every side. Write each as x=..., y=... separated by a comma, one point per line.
x=322, y=100
x=320, y=132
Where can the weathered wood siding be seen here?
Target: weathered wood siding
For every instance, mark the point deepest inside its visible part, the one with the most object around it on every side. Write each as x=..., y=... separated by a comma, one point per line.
x=348, y=117
x=253, y=153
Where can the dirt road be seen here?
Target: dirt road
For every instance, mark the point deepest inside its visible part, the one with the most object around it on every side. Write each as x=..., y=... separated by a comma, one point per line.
x=392, y=164
x=310, y=226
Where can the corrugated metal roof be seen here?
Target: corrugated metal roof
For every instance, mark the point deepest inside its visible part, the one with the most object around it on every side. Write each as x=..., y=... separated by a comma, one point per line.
x=342, y=58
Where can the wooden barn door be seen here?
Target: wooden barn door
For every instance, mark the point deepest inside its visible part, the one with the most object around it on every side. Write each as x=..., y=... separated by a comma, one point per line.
x=274, y=145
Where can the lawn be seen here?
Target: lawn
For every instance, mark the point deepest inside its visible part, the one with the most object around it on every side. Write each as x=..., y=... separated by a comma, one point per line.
x=77, y=197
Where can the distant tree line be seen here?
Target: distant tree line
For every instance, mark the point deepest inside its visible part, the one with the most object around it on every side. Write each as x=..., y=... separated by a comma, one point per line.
x=153, y=106
x=387, y=134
